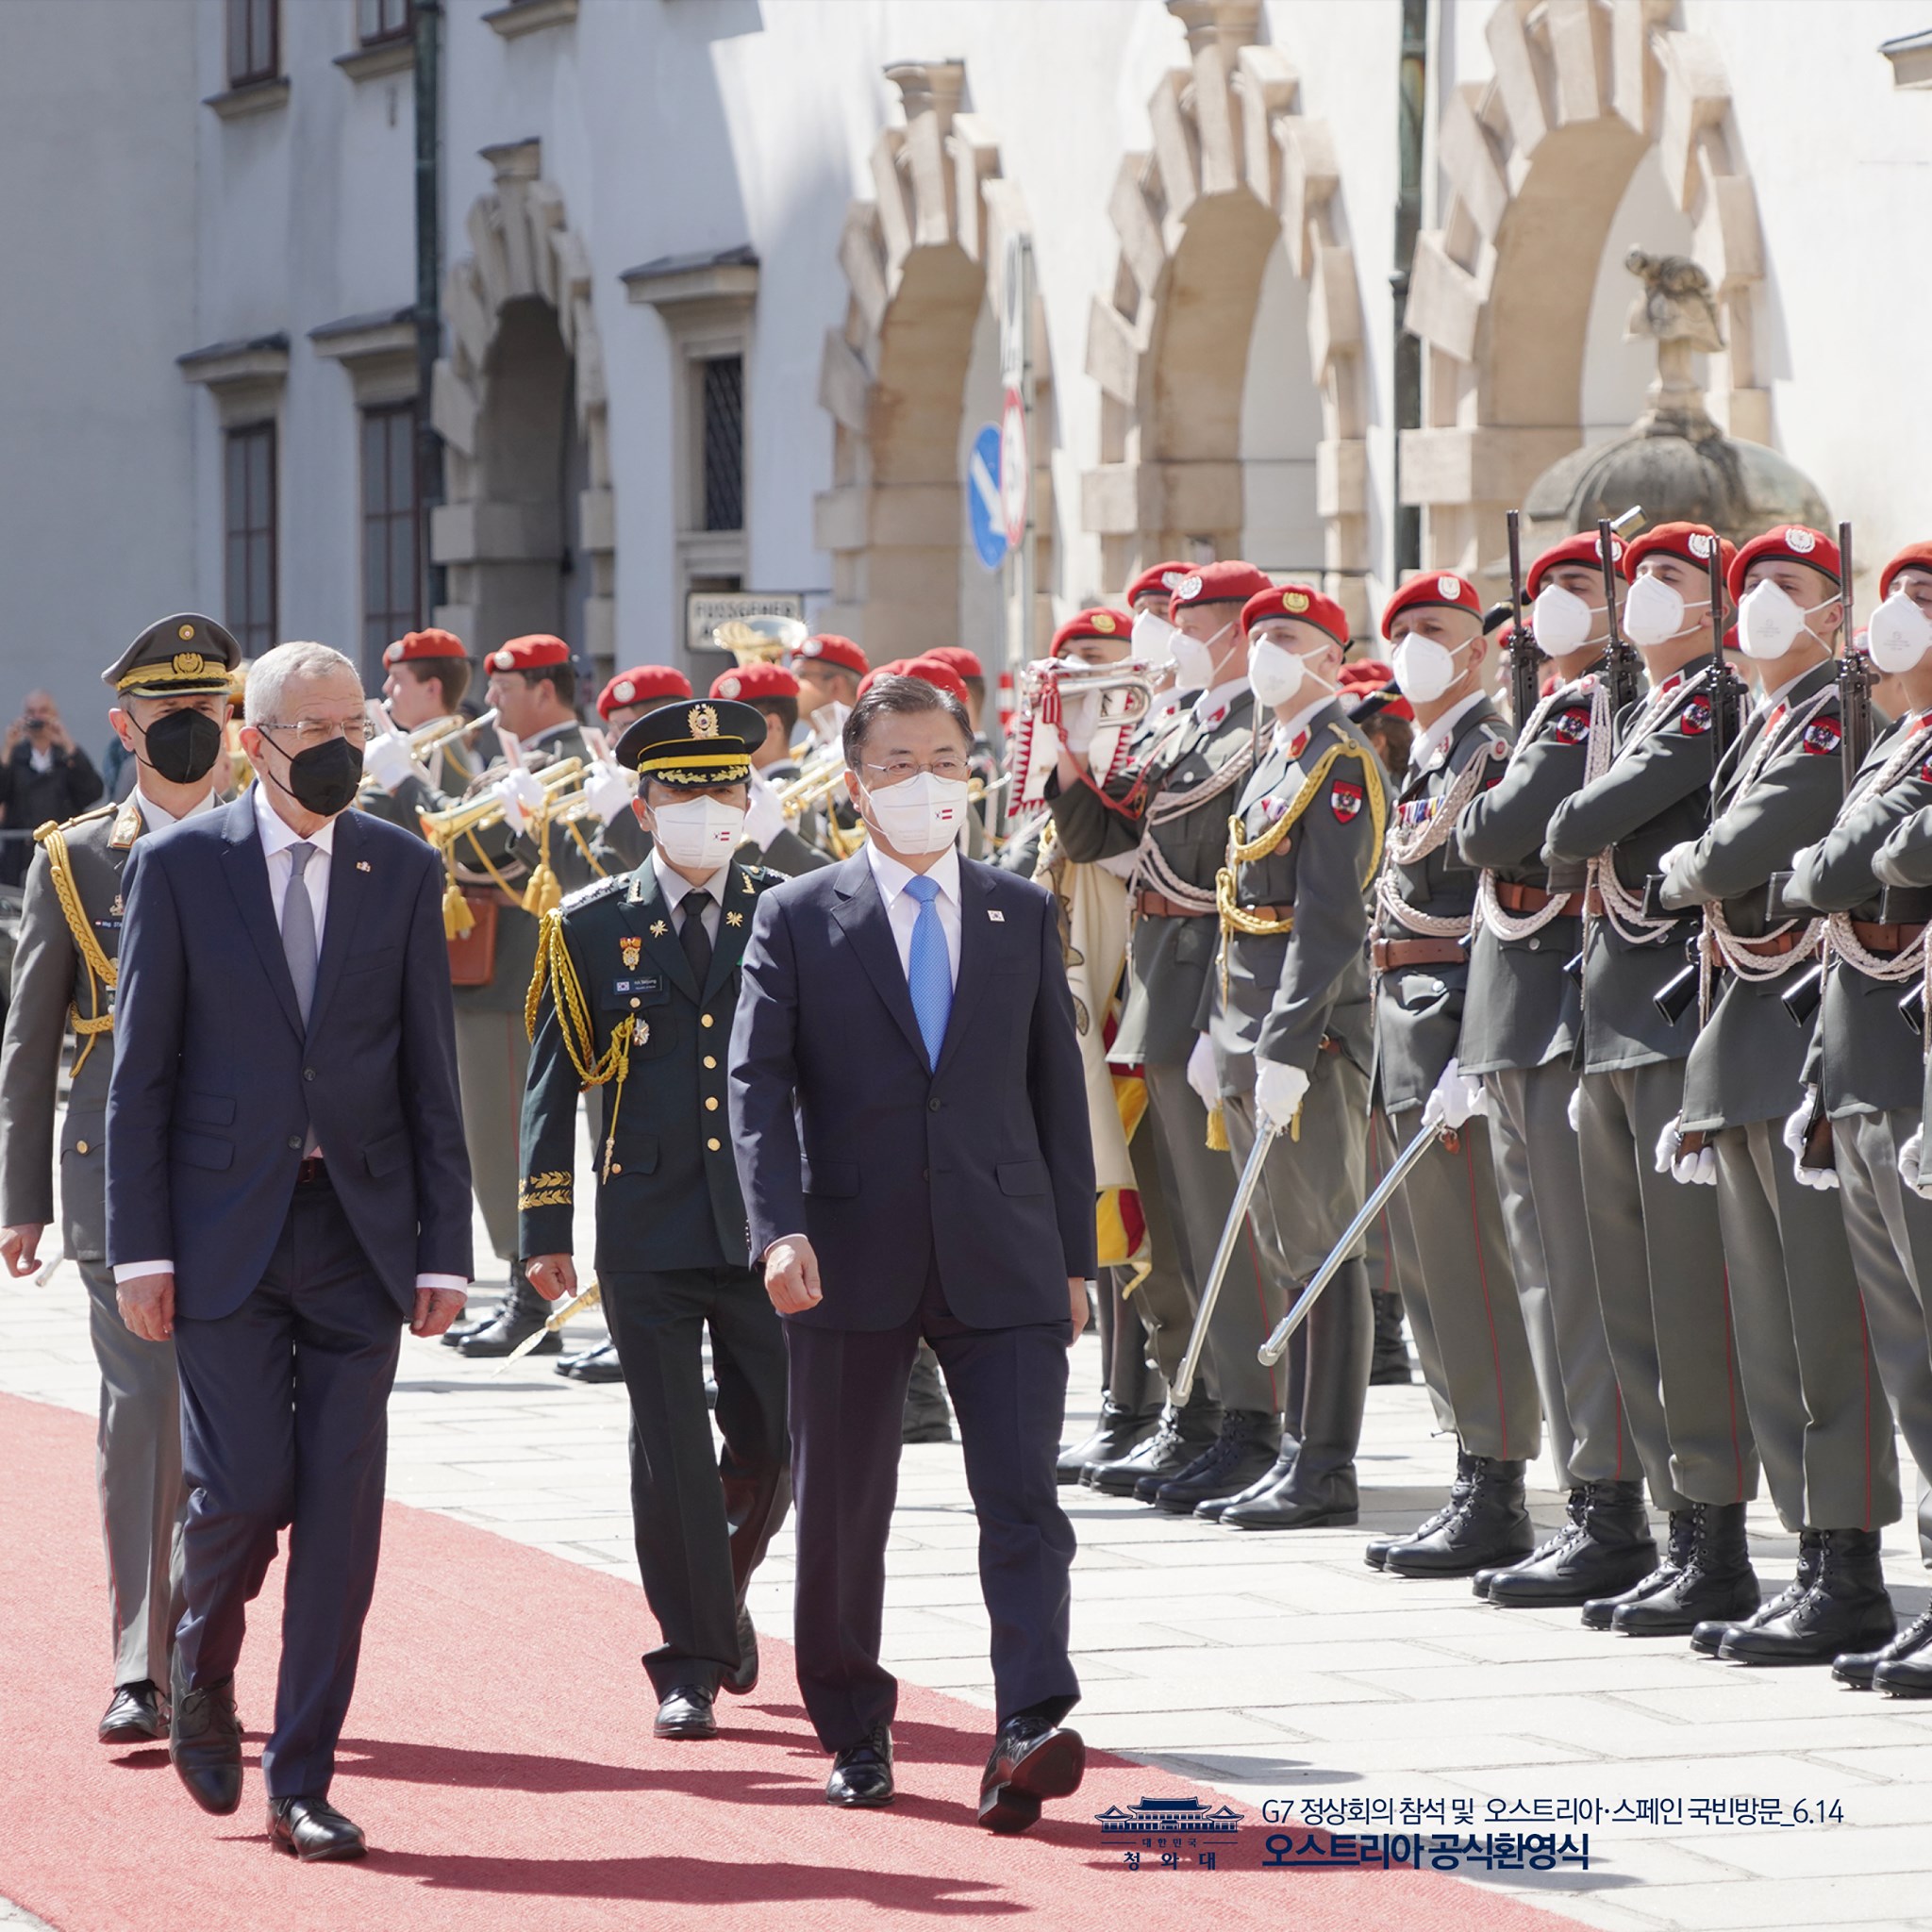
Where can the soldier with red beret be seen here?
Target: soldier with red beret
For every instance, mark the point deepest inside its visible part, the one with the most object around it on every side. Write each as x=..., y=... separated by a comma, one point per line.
x=828, y=669
x=428, y=675
x=769, y=839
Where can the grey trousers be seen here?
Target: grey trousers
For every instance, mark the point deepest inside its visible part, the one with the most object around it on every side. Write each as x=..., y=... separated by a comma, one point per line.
x=1890, y=1228
x=1540, y=1178
x=1161, y=1302
x=1401, y=1274
x=492, y=1058
x=1203, y=1194
x=1466, y=1295
x=1818, y=1411
x=1666, y=1302
x=137, y=1467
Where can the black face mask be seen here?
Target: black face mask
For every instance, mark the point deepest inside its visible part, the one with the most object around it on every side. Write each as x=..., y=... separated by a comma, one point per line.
x=324, y=778
x=182, y=746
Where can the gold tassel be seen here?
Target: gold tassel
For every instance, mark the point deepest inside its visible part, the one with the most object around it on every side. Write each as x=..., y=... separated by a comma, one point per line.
x=458, y=922
x=1216, y=1129
x=542, y=894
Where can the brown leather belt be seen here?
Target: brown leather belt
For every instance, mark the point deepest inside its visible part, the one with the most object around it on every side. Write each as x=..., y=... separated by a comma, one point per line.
x=1533, y=899
x=1885, y=938
x=1772, y=948
x=1389, y=955
x=1158, y=906
x=1274, y=913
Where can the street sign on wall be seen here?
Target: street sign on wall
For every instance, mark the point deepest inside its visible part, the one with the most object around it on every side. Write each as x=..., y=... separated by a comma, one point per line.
x=705, y=610
x=984, y=511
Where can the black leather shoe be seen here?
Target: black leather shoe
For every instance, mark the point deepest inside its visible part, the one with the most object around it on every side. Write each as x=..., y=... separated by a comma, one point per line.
x=1181, y=1435
x=1118, y=1432
x=685, y=1711
x=520, y=1316
x=204, y=1744
x=1858, y=1668
x=1598, y=1612
x=1905, y=1668
x=926, y=1419
x=1245, y=1449
x=863, y=1772
x=1707, y=1639
x=1491, y=1526
x=1214, y=1507
x=745, y=1679
x=1612, y=1548
x=1375, y=1553
x=313, y=1830
x=1846, y=1609
x=137, y=1714
x=599, y=1364
x=1560, y=1538
x=1718, y=1581
x=1031, y=1760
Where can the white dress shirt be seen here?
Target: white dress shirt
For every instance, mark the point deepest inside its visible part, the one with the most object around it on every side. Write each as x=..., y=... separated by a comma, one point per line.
x=673, y=885
x=154, y=816
x=901, y=909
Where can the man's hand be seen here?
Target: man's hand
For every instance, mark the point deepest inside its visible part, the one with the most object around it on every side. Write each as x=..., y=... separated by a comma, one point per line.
x=435, y=1308
x=791, y=1275
x=20, y=1246
x=552, y=1275
x=147, y=1306
x=1077, y=1310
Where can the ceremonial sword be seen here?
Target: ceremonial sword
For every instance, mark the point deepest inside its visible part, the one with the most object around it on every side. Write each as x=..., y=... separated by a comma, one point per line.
x=552, y=1321
x=1265, y=1131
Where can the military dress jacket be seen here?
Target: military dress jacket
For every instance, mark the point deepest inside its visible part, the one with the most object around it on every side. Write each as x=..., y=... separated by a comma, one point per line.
x=1656, y=794
x=1780, y=788
x=1169, y=958
x=1522, y=1008
x=1283, y=993
x=1418, y=1009
x=789, y=853
x=1861, y=1060
x=54, y=987
x=666, y=1187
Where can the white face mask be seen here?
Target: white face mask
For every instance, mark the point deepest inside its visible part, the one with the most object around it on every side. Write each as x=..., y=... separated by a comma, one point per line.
x=1653, y=613
x=698, y=832
x=922, y=814
x=1561, y=621
x=1425, y=669
x=1153, y=638
x=1898, y=635
x=1278, y=674
x=1194, y=658
x=1770, y=623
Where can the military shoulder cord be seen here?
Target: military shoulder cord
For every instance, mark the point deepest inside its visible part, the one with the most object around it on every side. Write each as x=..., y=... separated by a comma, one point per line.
x=1840, y=941
x=1623, y=908
x=101, y=971
x=575, y=1024
x=1412, y=848
x=1151, y=866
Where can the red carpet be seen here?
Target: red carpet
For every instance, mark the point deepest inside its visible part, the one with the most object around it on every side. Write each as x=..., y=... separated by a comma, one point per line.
x=510, y=1780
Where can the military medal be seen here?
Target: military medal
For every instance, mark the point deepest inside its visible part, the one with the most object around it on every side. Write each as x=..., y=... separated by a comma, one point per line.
x=630, y=947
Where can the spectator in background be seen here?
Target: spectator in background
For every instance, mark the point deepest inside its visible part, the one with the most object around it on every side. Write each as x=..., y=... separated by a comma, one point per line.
x=45, y=776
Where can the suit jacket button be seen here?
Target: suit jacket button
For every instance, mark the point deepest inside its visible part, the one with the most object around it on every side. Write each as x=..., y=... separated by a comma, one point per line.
x=932, y=1107
x=295, y=1141
x=617, y=1167
x=710, y=1102
x=713, y=1145
x=309, y=1072
x=709, y=1061
x=705, y=1020
x=80, y=1146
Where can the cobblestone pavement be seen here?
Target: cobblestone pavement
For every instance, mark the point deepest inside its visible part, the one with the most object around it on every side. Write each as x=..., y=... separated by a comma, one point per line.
x=1272, y=1667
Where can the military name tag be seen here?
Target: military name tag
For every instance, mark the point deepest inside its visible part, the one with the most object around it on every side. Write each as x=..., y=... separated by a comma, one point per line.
x=648, y=983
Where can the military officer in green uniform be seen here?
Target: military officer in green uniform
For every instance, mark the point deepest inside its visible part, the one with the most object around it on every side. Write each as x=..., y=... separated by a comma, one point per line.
x=170, y=700
x=635, y=982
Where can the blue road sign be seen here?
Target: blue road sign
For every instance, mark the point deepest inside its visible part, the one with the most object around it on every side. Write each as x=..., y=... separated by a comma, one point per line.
x=983, y=505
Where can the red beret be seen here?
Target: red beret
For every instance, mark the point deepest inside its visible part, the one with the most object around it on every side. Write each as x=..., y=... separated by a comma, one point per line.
x=829, y=649
x=1158, y=582
x=1913, y=556
x=936, y=672
x=895, y=667
x=1233, y=582
x=643, y=684
x=1580, y=548
x=537, y=652
x=1301, y=602
x=1788, y=543
x=1432, y=589
x=757, y=679
x=417, y=644
x=1688, y=543
x=1109, y=626
x=962, y=660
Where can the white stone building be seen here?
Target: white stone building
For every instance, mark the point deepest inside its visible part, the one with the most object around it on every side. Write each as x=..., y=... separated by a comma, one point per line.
x=722, y=288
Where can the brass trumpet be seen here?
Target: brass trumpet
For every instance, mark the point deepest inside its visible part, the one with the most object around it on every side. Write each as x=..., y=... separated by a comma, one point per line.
x=756, y=640
x=816, y=782
x=1130, y=676
x=444, y=829
x=439, y=731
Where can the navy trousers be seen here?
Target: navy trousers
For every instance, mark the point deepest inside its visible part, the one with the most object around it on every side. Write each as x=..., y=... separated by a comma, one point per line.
x=848, y=1397
x=284, y=1423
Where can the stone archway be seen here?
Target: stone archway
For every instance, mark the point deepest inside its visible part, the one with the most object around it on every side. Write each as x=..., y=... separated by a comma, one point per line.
x=528, y=529
x=1235, y=167
x=924, y=260
x=1537, y=160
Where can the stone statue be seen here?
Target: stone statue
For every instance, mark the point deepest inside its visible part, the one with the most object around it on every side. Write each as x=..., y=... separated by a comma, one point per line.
x=1675, y=311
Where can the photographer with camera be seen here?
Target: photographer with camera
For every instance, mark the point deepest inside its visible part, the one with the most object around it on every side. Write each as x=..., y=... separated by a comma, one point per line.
x=45, y=776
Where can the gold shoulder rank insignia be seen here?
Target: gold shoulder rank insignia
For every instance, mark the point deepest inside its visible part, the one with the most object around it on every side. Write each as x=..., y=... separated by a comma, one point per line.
x=629, y=948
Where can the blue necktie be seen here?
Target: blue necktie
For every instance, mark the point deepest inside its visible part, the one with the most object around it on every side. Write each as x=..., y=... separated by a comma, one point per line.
x=928, y=970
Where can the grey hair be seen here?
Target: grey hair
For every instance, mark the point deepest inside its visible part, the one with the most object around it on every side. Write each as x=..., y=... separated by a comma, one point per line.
x=271, y=673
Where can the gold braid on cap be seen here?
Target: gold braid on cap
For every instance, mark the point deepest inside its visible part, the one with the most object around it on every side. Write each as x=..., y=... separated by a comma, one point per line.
x=184, y=670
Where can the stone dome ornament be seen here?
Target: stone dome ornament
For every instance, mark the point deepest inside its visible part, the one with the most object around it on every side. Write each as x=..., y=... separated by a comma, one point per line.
x=1674, y=461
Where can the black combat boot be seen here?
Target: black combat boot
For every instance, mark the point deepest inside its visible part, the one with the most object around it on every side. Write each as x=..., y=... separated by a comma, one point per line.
x=520, y=1316
x=1491, y=1526
x=1560, y=1538
x=1119, y=1430
x=1903, y=1668
x=1613, y=1549
x=1243, y=1450
x=1598, y=1612
x=1718, y=1581
x=1708, y=1637
x=1389, y=1362
x=1215, y=1508
x=1181, y=1435
x=1846, y=1609
x=1375, y=1553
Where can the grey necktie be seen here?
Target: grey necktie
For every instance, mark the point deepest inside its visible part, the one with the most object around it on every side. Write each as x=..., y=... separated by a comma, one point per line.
x=298, y=929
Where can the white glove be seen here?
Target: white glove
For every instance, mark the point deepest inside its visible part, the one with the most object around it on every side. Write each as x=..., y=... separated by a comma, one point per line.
x=1573, y=1113
x=521, y=795
x=1673, y=854
x=609, y=789
x=764, y=816
x=1824, y=1178
x=1698, y=1169
x=1080, y=721
x=1278, y=1091
x=1457, y=1096
x=386, y=758
x=1201, y=1074
x=1908, y=1159
x=828, y=722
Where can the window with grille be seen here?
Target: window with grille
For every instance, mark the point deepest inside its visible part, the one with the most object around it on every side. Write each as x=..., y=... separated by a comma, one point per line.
x=384, y=19
x=249, y=523
x=724, y=450
x=254, y=41
x=390, y=578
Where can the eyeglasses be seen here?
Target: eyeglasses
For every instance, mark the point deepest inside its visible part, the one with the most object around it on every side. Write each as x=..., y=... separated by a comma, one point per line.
x=309, y=732
x=896, y=771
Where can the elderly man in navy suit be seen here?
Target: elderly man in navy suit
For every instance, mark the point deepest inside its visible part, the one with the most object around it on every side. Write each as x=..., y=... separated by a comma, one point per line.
x=909, y=1118
x=287, y=1185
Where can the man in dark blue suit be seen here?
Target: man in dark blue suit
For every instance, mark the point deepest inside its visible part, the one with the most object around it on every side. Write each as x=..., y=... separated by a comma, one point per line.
x=287, y=1185
x=909, y=1114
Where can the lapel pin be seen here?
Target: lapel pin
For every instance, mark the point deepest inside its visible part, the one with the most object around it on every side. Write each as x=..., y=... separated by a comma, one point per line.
x=734, y=919
x=997, y=918
x=361, y=865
